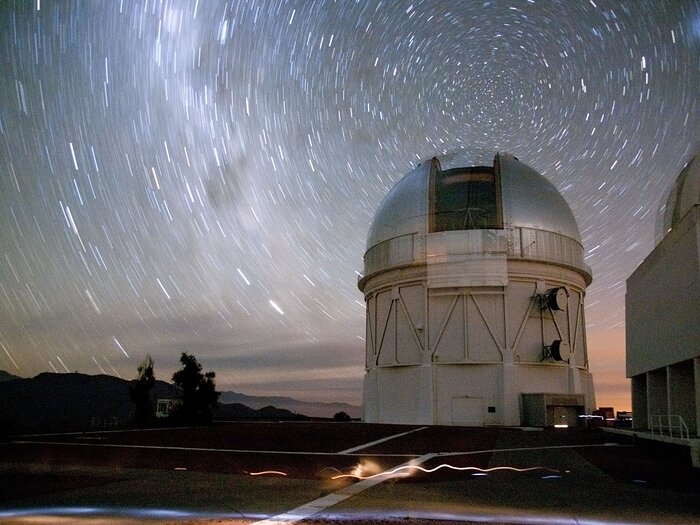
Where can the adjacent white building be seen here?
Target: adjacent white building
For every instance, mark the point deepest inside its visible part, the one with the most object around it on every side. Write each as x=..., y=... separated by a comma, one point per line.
x=474, y=281
x=663, y=316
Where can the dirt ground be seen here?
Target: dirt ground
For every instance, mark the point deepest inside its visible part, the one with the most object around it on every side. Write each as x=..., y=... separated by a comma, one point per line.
x=245, y=472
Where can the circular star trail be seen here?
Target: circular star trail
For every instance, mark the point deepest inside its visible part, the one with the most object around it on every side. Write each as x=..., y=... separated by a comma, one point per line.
x=200, y=176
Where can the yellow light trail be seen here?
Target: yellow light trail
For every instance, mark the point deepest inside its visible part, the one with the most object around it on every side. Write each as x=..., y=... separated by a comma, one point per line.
x=443, y=465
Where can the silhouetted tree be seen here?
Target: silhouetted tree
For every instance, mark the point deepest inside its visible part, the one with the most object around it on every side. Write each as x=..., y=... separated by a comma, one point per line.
x=139, y=389
x=199, y=395
x=341, y=416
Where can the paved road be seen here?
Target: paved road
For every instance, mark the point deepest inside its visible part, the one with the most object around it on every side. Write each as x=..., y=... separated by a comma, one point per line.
x=206, y=475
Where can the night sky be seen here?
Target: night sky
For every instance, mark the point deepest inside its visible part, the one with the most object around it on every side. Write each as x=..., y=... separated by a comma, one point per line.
x=200, y=176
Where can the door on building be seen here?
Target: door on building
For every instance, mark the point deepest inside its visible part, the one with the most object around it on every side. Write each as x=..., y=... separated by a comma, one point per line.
x=558, y=415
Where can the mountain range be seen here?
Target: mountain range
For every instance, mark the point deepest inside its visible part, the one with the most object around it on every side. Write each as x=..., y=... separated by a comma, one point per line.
x=52, y=402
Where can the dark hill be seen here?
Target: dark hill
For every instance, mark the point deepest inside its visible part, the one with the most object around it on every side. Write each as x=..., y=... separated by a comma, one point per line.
x=53, y=402
x=6, y=376
x=308, y=408
x=59, y=402
x=238, y=411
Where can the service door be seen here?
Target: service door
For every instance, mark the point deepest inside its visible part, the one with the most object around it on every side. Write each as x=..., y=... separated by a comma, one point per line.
x=561, y=415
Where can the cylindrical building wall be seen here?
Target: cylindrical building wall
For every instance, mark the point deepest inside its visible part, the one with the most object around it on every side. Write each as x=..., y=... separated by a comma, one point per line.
x=471, y=351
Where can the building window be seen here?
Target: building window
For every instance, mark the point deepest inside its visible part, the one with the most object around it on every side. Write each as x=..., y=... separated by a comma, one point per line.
x=466, y=199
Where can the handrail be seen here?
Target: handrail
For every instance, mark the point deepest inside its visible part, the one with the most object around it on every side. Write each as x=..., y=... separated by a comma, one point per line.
x=516, y=243
x=668, y=424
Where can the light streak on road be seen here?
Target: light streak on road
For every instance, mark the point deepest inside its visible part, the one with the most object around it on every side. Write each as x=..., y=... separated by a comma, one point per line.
x=411, y=468
x=268, y=473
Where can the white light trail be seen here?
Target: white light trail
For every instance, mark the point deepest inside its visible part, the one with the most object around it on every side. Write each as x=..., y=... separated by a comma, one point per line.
x=240, y=272
x=99, y=365
x=72, y=152
x=119, y=345
x=92, y=301
x=62, y=363
x=410, y=468
x=276, y=307
x=163, y=288
x=8, y=355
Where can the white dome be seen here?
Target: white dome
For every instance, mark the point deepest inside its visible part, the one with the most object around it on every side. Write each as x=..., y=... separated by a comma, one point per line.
x=682, y=197
x=509, y=199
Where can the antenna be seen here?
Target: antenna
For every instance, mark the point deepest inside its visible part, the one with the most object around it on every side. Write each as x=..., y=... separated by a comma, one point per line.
x=559, y=351
x=554, y=298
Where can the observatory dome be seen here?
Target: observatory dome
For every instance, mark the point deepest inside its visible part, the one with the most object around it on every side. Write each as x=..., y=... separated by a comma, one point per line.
x=512, y=209
x=474, y=285
x=682, y=197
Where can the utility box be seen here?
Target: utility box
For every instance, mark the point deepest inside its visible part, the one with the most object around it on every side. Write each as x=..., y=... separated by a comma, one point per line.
x=552, y=410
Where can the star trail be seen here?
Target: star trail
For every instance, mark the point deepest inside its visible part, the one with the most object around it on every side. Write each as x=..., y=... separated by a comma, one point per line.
x=200, y=176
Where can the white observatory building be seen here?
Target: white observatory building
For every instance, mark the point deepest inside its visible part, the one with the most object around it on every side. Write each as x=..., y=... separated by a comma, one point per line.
x=663, y=316
x=474, y=281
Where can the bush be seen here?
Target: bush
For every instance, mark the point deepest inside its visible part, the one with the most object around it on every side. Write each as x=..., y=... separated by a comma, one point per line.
x=341, y=416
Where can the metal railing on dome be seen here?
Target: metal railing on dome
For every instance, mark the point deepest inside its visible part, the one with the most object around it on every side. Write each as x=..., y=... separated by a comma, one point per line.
x=522, y=243
x=671, y=425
